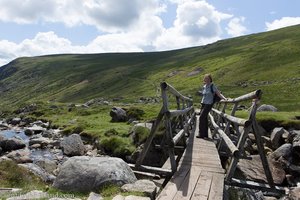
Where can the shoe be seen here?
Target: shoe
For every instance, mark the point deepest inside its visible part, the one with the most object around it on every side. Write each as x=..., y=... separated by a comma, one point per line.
x=198, y=136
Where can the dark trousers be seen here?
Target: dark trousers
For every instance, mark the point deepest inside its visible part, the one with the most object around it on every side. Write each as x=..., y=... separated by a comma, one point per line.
x=203, y=125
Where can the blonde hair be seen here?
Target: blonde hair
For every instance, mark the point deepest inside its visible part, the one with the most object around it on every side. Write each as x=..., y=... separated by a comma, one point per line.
x=208, y=76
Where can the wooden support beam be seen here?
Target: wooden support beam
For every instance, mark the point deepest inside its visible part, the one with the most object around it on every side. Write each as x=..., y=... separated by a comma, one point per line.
x=233, y=149
x=156, y=170
x=256, y=186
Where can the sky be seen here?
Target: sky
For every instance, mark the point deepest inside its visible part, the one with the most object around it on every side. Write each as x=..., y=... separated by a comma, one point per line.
x=35, y=27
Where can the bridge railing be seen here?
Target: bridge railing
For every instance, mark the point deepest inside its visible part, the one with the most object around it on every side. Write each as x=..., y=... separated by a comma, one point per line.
x=224, y=125
x=176, y=123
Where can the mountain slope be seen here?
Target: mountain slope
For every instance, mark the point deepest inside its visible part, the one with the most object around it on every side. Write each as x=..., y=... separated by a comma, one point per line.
x=269, y=61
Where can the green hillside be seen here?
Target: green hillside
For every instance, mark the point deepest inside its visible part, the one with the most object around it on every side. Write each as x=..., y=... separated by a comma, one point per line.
x=269, y=61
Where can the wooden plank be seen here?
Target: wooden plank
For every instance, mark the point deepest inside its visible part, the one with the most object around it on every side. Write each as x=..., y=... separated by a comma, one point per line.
x=172, y=186
x=217, y=186
x=187, y=188
x=203, y=186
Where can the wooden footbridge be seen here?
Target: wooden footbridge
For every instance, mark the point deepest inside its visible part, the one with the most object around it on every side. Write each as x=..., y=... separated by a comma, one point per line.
x=193, y=169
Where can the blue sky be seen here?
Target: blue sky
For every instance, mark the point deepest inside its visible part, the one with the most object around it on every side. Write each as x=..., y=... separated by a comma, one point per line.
x=35, y=27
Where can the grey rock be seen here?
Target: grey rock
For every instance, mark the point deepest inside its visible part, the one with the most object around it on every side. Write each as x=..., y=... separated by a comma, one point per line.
x=276, y=137
x=265, y=107
x=294, y=193
x=85, y=174
x=38, y=171
x=118, y=115
x=253, y=170
x=20, y=156
x=73, y=145
x=130, y=197
x=48, y=165
x=35, y=129
x=94, y=196
x=147, y=187
x=284, y=150
x=12, y=144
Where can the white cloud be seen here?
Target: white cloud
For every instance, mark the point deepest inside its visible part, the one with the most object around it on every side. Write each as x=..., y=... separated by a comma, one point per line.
x=196, y=23
x=107, y=16
x=283, y=22
x=126, y=25
x=235, y=27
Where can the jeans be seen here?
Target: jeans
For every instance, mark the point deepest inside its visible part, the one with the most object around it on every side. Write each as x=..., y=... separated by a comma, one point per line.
x=203, y=125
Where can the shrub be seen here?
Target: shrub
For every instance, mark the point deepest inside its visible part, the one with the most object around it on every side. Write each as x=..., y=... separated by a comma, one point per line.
x=135, y=113
x=117, y=146
x=111, y=132
x=140, y=134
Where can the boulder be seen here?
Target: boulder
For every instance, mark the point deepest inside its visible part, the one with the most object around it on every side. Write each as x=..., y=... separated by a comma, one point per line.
x=20, y=156
x=48, y=165
x=296, y=143
x=42, y=141
x=294, y=193
x=276, y=137
x=73, y=145
x=38, y=171
x=15, y=121
x=147, y=187
x=34, y=130
x=253, y=170
x=130, y=197
x=265, y=107
x=85, y=174
x=284, y=150
x=94, y=196
x=12, y=144
x=118, y=115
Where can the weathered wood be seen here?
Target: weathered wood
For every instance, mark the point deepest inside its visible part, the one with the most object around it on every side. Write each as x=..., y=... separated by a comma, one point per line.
x=233, y=149
x=178, y=136
x=156, y=170
x=234, y=160
x=149, y=140
x=256, y=186
x=176, y=113
x=236, y=120
x=166, y=86
x=252, y=95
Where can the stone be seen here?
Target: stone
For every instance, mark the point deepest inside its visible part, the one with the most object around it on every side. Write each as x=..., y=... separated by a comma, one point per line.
x=276, y=137
x=35, y=129
x=94, y=196
x=48, y=165
x=147, y=187
x=40, y=140
x=284, y=150
x=130, y=197
x=85, y=174
x=20, y=156
x=38, y=171
x=118, y=114
x=73, y=145
x=253, y=170
x=15, y=121
x=265, y=107
x=12, y=144
x=294, y=193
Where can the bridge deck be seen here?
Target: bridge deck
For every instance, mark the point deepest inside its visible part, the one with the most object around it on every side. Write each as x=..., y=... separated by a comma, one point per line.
x=199, y=175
